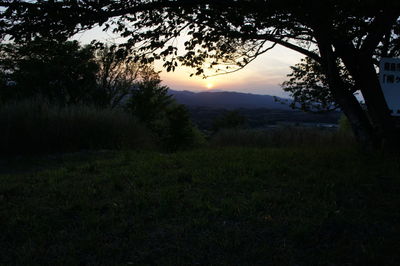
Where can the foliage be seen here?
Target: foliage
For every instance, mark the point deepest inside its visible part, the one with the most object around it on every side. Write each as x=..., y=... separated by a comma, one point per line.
x=59, y=73
x=229, y=120
x=232, y=206
x=309, y=87
x=149, y=101
x=180, y=132
x=344, y=124
x=118, y=77
x=152, y=105
x=63, y=73
x=66, y=73
x=37, y=127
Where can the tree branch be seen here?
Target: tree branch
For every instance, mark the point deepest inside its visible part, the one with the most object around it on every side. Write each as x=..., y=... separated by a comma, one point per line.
x=378, y=28
x=276, y=40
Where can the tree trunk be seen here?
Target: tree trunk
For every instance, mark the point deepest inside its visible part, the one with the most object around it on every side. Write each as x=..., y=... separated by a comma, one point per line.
x=362, y=69
x=384, y=123
x=361, y=125
x=349, y=104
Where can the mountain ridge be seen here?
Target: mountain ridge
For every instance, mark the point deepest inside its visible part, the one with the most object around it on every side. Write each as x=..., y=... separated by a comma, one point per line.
x=228, y=100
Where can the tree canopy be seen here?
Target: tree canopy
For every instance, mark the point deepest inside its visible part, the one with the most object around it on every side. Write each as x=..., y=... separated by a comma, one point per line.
x=309, y=87
x=117, y=78
x=66, y=73
x=228, y=35
x=63, y=73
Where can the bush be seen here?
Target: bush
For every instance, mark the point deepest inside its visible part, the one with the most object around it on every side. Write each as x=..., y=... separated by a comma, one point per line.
x=33, y=127
x=344, y=125
x=168, y=120
x=179, y=133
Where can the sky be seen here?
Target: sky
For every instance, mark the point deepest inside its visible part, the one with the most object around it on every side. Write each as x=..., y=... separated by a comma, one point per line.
x=262, y=76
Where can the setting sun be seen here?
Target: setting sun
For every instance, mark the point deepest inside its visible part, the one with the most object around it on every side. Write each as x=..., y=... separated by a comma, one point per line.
x=210, y=85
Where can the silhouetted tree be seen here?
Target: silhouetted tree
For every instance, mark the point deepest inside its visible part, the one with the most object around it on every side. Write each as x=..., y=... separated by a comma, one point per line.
x=67, y=73
x=169, y=121
x=234, y=33
x=180, y=132
x=149, y=101
x=117, y=78
x=60, y=72
x=309, y=88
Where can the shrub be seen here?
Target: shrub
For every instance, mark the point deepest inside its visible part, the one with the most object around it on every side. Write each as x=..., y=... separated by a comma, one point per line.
x=149, y=101
x=169, y=121
x=344, y=125
x=37, y=127
x=179, y=132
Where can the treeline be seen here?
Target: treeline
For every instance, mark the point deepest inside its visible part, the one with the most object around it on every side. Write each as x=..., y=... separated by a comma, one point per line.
x=66, y=73
x=61, y=96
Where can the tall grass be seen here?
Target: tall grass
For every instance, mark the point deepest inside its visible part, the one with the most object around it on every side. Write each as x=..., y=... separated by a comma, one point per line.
x=283, y=137
x=34, y=127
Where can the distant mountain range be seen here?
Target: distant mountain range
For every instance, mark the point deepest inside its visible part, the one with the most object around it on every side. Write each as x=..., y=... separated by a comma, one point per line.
x=227, y=100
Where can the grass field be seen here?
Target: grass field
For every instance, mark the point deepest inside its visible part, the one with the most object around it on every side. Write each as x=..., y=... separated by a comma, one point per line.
x=228, y=206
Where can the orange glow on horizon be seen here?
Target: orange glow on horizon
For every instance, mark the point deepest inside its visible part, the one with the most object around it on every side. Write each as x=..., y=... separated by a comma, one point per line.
x=209, y=85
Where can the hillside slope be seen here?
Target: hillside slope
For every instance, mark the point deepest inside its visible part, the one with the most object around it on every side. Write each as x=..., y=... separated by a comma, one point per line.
x=227, y=100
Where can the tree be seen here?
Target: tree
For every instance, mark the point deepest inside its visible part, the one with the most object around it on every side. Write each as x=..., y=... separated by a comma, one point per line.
x=67, y=73
x=233, y=33
x=168, y=120
x=117, y=78
x=60, y=72
x=149, y=101
x=179, y=133
x=309, y=88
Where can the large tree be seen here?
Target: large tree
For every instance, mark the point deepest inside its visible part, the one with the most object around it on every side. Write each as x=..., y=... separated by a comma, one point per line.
x=117, y=78
x=60, y=72
x=228, y=35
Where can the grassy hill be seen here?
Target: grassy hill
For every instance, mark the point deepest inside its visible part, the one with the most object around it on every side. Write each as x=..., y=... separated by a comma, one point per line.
x=221, y=206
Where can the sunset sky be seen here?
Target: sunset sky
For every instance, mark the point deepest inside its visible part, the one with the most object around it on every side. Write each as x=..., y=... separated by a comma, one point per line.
x=263, y=76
